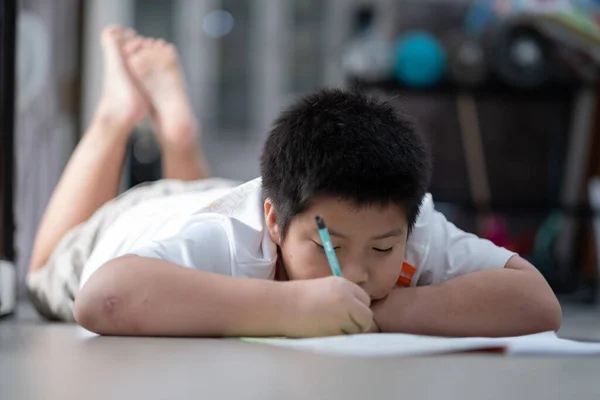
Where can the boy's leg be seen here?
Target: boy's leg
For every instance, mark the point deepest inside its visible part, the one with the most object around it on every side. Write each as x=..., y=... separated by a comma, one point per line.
x=155, y=65
x=92, y=175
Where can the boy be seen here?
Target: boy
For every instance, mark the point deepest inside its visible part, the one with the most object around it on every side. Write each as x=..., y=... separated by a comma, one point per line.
x=209, y=258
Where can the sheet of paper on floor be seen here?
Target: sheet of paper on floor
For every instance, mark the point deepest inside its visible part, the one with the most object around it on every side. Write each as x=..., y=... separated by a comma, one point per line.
x=415, y=345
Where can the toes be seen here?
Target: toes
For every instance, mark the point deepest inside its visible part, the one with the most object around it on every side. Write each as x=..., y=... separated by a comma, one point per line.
x=170, y=49
x=129, y=34
x=158, y=43
x=111, y=33
x=133, y=46
x=112, y=29
x=147, y=42
x=169, y=53
x=138, y=62
x=143, y=53
x=167, y=49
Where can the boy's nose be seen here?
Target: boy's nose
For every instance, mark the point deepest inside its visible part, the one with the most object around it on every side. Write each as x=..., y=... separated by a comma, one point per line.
x=356, y=273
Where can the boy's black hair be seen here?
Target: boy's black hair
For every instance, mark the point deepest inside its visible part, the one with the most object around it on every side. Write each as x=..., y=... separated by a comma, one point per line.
x=343, y=144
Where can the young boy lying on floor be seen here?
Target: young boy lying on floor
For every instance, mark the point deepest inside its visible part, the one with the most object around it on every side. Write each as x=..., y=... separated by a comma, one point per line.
x=193, y=256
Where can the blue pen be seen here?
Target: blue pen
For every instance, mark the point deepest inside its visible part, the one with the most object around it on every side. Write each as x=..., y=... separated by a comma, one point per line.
x=328, y=246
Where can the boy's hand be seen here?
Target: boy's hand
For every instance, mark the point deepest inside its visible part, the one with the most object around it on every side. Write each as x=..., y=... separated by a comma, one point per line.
x=374, y=327
x=329, y=306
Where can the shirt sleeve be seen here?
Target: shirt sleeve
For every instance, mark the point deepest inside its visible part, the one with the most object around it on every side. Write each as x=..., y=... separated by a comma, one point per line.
x=202, y=245
x=453, y=252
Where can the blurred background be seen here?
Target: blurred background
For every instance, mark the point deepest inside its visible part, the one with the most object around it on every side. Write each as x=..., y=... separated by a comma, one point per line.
x=504, y=91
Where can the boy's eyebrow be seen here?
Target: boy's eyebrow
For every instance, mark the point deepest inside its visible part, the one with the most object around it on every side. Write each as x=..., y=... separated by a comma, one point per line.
x=393, y=232
x=333, y=232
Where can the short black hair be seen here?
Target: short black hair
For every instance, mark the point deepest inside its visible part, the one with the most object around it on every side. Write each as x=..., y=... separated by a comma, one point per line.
x=344, y=144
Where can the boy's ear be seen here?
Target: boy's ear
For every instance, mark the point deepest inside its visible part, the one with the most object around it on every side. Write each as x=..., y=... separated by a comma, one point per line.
x=271, y=220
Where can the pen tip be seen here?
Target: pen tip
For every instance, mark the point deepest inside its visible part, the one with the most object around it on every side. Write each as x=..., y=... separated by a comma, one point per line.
x=320, y=222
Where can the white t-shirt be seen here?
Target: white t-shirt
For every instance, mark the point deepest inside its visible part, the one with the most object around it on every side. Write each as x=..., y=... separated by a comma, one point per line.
x=223, y=231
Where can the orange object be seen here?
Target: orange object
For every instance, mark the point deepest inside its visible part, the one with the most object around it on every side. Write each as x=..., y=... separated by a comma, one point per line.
x=406, y=274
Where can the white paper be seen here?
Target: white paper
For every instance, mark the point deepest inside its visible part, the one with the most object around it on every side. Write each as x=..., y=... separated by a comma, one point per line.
x=394, y=345
x=550, y=344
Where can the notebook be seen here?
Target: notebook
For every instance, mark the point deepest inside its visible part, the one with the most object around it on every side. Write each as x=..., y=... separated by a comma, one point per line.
x=398, y=345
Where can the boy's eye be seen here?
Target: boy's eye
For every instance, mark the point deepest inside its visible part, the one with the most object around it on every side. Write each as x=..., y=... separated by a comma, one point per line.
x=322, y=248
x=384, y=250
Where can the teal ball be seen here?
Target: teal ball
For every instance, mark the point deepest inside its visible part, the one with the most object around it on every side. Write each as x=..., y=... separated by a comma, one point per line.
x=420, y=60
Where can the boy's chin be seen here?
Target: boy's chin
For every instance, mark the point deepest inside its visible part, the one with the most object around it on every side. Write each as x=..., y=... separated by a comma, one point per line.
x=380, y=296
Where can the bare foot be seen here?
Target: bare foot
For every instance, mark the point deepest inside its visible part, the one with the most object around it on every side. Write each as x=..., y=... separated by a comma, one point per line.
x=155, y=65
x=121, y=100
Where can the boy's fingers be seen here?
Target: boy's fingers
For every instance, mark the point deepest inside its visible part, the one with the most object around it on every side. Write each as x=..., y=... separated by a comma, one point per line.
x=352, y=327
x=361, y=318
x=362, y=296
x=374, y=327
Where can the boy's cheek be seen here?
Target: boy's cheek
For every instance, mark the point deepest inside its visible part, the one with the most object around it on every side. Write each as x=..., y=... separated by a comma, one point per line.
x=311, y=268
x=304, y=273
x=386, y=281
x=302, y=263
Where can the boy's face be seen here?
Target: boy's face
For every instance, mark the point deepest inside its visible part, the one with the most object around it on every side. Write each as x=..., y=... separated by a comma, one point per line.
x=369, y=243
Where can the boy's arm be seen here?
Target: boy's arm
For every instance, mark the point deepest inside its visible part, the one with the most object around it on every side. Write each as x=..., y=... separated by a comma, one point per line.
x=515, y=300
x=141, y=296
x=134, y=295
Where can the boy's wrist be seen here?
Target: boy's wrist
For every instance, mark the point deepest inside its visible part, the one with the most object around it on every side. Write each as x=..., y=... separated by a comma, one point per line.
x=277, y=302
x=288, y=297
x=264, y=308
x=401, y=310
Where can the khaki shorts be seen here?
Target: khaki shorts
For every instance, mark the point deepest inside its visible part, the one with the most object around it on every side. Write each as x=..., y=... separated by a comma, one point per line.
x=53, y=287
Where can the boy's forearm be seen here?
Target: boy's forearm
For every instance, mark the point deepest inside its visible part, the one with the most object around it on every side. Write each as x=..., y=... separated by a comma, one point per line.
x=141, y=296
x=501, y=302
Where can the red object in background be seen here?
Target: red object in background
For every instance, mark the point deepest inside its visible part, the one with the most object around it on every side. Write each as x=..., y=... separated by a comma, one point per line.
x=495, y=229
x=522, y=245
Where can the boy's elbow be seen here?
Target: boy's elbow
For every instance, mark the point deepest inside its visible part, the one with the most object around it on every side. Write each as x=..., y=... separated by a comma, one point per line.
x=96, y=312
x=99, y=305
x=544, y=311
x=553, y=315
x=549, y=313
